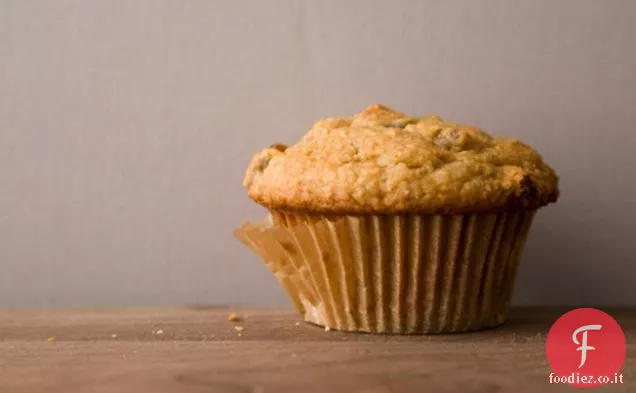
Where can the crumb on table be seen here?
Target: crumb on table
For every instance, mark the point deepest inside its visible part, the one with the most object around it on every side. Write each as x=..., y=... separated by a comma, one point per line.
x=233, y=317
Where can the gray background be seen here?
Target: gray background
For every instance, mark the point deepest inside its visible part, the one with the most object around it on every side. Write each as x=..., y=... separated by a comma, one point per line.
x=125, y=128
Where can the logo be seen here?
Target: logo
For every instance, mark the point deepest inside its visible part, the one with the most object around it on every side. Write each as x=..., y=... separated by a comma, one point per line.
x=586, y=348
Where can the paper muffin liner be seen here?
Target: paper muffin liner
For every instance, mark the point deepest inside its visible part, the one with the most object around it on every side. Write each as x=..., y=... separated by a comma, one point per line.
x=403, y=274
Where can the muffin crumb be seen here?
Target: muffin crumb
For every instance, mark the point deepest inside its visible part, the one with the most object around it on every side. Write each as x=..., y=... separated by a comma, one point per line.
x=233, y=317
x=239, y=328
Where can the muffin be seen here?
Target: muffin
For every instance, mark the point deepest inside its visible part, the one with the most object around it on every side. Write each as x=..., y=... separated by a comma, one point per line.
x=386, y=223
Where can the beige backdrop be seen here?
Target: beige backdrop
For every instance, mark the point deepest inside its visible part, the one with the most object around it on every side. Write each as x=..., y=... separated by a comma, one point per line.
x=125, y=127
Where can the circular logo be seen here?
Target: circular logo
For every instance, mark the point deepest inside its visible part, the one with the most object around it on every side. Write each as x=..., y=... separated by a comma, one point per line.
x=586, y=348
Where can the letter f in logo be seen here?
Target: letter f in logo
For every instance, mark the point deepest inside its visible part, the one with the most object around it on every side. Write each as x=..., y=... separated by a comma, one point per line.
x=584, y=347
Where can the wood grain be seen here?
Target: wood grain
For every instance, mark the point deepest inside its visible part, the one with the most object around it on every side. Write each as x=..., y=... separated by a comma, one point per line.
x=200, y=351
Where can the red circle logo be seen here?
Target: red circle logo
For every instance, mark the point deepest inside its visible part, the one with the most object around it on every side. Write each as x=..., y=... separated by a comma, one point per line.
x=586, y=348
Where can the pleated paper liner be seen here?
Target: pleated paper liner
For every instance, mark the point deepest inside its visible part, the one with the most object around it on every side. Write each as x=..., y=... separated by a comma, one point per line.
x=395, y=274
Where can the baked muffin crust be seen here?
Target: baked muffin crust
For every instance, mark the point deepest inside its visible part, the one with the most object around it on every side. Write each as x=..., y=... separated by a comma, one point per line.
x=384, y=162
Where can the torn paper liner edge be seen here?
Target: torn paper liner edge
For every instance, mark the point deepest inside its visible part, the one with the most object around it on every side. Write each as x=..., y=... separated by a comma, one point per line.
x=402, y=274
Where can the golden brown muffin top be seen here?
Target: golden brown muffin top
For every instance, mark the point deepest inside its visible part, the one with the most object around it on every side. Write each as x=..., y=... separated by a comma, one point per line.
x=384, y=162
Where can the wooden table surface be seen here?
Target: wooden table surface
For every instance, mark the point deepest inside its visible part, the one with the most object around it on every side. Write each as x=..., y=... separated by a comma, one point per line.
x=198, y=350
